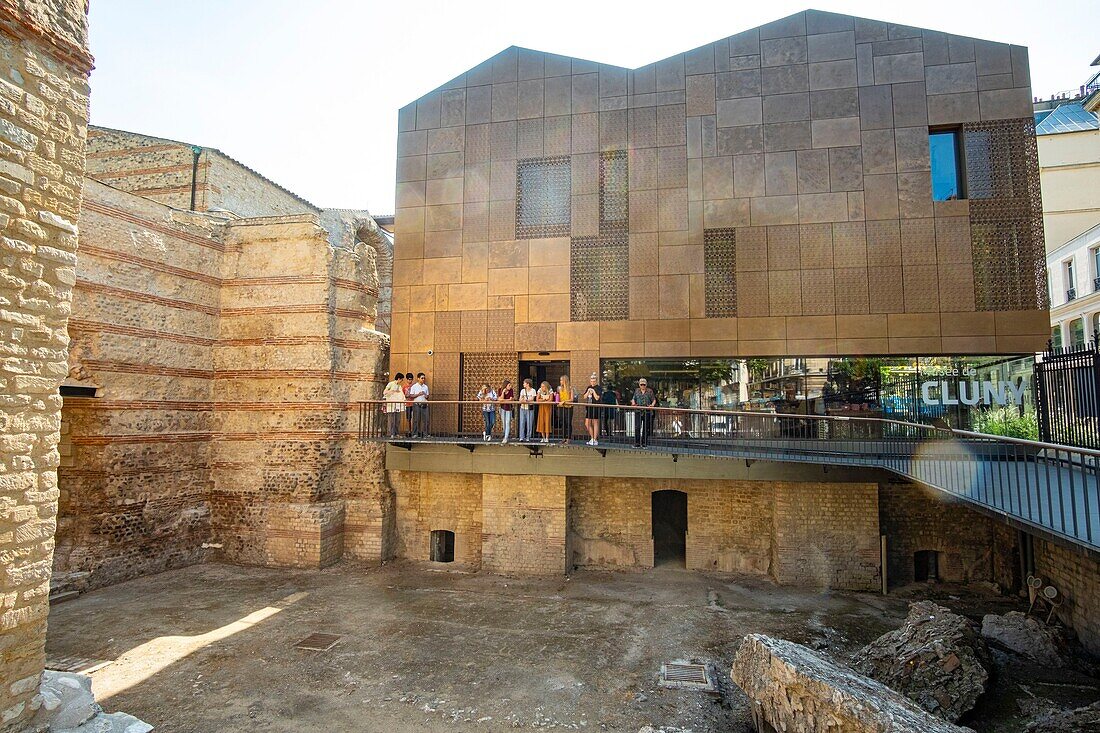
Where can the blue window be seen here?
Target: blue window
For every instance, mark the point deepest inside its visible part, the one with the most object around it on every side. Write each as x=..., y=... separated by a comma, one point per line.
x=943, y=148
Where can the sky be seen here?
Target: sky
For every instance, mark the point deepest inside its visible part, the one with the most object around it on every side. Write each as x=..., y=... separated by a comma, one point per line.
x=307, y=93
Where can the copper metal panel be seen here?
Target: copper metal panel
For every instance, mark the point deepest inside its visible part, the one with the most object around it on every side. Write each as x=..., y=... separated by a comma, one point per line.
x=720, y=272
x=480, y=367
x=599, y=278
x=614, y=182
x=1006, y=215
x=543, y=197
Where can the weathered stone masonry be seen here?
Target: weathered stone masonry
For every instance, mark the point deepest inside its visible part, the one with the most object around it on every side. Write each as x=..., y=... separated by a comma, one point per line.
x=229, y=355
x=44, y=66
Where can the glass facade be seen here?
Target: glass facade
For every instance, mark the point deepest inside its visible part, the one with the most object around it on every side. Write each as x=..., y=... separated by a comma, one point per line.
x=943, y=149
x=961, y=392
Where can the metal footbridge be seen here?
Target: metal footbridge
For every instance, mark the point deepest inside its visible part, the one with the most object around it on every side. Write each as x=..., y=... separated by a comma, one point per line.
x=1050, y=490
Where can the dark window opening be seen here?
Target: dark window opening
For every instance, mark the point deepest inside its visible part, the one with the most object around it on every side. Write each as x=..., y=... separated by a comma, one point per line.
x=945, y=156
x=543, y=197
x=670, y=523
x=926, y=566
x=443, y=545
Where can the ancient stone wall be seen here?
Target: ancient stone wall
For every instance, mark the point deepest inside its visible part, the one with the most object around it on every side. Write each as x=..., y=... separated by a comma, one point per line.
x=296, y=350
x=1077, y=577
x=729, y=523
x=972, y=547
x=228, y=359
x=523, y=524
x=135, y=471
x=814, y=534
x=827, y=535
x=438, y=501
x=44, y=65
x=164, y=170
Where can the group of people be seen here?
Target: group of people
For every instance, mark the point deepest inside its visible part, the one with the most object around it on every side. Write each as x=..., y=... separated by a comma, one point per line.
x=539, y=409
x=407, y=395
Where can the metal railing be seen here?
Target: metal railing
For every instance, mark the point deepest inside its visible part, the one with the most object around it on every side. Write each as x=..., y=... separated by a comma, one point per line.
x=1043, y=487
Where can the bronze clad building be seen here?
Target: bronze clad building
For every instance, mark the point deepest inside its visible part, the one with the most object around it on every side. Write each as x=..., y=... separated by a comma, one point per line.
x=768, y=194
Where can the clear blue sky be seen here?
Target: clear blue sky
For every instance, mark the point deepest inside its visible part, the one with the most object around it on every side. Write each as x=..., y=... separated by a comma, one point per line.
x=308, y=93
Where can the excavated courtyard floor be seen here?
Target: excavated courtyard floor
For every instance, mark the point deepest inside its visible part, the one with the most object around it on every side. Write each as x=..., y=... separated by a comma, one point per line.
x=212, y=648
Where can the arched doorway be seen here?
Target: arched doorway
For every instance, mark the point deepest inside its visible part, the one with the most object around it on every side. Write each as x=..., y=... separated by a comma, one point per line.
x=670, y=523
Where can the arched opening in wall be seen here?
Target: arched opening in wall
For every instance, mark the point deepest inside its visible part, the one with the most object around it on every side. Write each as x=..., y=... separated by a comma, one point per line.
x=443, y=545
x=670, y=524
x=927, y=566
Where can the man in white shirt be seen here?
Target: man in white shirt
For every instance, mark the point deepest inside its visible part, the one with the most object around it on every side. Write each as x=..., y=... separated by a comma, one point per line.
x=419, y=393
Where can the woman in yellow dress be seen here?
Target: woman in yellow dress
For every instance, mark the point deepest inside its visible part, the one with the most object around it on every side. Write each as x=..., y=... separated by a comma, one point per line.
x=545, y=399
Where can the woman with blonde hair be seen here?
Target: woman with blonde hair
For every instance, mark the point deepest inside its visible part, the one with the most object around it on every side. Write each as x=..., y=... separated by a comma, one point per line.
x=545, y=399
x=566, y=398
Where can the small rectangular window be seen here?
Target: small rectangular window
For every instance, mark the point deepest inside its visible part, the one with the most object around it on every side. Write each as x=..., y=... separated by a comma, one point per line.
x=1056, y=337
x=943, y=149
x=1095, y=268
x=1070, y=280
x=543, y=197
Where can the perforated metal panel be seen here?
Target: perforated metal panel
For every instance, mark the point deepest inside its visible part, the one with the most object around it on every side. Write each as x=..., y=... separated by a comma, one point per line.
x=720, y=272
x=1006, y=215
x=543, y=197
x=599, y=278
x=477, y=368
x=614, y=182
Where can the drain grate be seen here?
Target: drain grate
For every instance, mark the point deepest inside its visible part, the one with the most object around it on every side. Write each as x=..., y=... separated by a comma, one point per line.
x=681, y=675
x=83, y=665
x=318, y=642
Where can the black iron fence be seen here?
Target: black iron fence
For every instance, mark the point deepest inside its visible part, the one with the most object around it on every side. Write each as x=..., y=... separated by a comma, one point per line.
x=1067, y=394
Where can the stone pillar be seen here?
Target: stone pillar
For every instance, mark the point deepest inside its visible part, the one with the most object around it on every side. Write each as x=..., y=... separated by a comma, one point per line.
x=297, y=350
x=44, y=66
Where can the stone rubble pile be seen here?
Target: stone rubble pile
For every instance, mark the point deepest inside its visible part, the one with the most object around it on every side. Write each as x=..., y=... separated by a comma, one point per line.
x=1029, y=637
x=793, y=689
x=68, y=706
x=937, y=659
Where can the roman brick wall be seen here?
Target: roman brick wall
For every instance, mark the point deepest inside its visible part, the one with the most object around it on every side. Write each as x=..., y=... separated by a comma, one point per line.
x=827, y=535
x=135, y=479
x=776, y=200
x=162, y=170
x=44, y=65
x=154, y=168
x=973, y=546
x=1076, y=575
x=236, y=187
x=296, y=351
x=523, y=525
x=814, y=534
x=729, y=523
x=430, y=501
x=229, y=358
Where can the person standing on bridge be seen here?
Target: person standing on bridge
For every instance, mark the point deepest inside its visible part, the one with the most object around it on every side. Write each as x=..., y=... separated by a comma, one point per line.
x=545, y=398
x=419, y=393
x=507, y=396
x=591, y=398
x=394, y=395
x=643, y=421
x=526, y=412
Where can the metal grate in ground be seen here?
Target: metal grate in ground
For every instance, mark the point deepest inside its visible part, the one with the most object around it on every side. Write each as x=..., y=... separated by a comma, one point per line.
x=318, y=642
x=82, y=665
x=686, y=676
